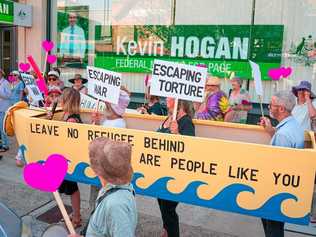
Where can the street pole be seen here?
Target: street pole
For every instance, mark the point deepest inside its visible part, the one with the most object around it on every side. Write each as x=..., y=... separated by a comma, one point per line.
x=173, y=13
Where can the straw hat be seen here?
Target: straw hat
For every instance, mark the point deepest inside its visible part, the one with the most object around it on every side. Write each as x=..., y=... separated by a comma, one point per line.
x=111, y=160
x=78, y=76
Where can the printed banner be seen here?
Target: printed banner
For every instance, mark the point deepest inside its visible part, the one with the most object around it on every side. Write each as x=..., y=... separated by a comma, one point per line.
x=178, y=81
x=6, y=11
x=252, y=179
x=32, y=88
x=88, y=102
x=222, y=48
x=103, y=84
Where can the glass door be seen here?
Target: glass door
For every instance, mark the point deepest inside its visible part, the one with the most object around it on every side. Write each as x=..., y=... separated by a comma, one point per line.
x=7, y=49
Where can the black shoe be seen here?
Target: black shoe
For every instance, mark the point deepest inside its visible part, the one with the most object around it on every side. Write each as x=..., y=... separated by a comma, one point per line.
x=4, y=148
x=0, y=157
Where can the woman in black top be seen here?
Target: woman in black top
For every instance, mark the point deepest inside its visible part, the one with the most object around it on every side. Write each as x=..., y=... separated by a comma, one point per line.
x=70, y=102
x=153, y=107
x=184, y=126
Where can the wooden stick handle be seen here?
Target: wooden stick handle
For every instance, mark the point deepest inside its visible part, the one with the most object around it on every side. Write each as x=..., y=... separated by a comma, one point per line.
x=261, y=106
x=175, y=110
x=45, y=62
x=97, y=109
x=64, y=213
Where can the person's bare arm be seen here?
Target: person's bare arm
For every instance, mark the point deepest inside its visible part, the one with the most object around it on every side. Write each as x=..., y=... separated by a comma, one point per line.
x=310, y=106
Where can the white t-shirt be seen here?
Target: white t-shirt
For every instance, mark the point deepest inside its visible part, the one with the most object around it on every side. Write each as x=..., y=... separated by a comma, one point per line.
x=114, y=123
x=300, y=113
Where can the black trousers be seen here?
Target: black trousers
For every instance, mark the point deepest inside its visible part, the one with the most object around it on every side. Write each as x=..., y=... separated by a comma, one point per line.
x=170, y=217
x=273, y=228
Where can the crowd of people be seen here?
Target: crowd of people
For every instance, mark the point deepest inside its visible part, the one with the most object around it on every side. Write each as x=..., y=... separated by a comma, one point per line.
x=13, y=90
x=113, y=205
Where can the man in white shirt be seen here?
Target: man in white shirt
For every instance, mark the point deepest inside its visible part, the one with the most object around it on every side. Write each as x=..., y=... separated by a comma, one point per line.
x=72, y=41
x=305, y=108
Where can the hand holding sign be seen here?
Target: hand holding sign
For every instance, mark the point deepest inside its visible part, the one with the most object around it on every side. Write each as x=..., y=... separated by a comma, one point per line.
x=178, y=81
x=32, y=89
x=88, y=102
x=48, y=177
x=103, y=84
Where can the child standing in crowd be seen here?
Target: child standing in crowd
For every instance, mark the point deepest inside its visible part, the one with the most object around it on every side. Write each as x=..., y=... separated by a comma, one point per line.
x=115, y=213
x=70, y=102
x=184, y=126
x=5, y=94
x=112, y=118
x=17, y=88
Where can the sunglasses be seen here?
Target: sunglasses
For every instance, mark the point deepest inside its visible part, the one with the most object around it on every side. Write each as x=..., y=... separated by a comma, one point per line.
x=52, y=79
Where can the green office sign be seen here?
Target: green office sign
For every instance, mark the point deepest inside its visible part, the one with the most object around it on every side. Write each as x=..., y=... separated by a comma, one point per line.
x=6, y=11
x=222, y=48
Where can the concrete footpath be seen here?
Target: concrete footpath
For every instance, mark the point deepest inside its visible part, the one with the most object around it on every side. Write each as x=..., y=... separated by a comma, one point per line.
x=194, y=221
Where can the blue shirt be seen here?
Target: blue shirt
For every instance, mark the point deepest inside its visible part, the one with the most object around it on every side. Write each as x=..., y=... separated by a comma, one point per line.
x=5, y=94
x=73, y=42
x=116, y=215
x=288, y=133
x=16, y=92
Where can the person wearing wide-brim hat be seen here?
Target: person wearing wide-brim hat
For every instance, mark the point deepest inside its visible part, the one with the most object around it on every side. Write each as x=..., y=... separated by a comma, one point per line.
x=305, y=108
x=78, y=83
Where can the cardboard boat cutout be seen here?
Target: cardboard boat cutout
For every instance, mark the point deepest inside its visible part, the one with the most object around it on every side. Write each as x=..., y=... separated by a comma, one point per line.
x=229, y=167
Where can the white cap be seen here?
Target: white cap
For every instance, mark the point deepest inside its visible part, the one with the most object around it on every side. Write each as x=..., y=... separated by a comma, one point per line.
x=15, y=72
x=53, y=73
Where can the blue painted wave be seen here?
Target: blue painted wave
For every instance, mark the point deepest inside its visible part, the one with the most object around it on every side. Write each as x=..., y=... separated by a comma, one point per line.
x=79, y=175
x=225, y=200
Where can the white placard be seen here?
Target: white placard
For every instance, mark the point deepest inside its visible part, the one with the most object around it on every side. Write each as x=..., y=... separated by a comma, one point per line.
x=32, y=88
x=87, y=102
x=257, y=77
x=178, y=81
x=103, y=84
